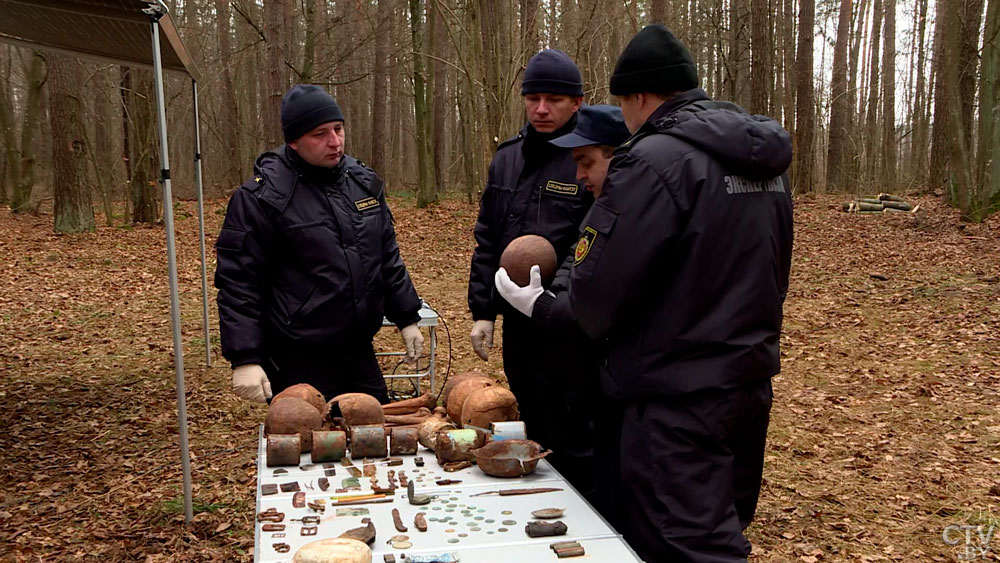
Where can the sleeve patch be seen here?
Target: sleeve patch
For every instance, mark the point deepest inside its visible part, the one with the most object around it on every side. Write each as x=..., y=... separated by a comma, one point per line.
x=583, y=246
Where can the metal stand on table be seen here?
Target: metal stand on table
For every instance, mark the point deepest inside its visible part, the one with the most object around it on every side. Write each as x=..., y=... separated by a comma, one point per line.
x=428, y=319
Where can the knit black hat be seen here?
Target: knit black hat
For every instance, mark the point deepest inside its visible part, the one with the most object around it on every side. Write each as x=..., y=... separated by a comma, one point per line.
x=552, y=72
x=304, y=107
x=654, y=61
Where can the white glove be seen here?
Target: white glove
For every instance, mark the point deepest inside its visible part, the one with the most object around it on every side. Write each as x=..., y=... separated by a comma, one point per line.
x=251, y=383
x=522, y=298
x=414, y=342
x=482, y=338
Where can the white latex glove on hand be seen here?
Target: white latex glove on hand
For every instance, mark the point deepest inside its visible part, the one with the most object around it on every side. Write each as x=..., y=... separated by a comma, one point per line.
x=414, y=342
x=251, y=383
x=522, y=298
x=482, y=338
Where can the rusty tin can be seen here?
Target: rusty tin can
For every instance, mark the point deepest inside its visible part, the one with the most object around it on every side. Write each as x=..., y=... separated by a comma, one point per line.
x=403, y=441
x=283, y=449
x=457, y=445
x=328, y=445
x=513, y=430
x=368, y=441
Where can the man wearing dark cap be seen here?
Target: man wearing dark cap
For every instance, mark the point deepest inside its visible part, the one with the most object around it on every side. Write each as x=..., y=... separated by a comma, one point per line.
x=681, y=270
x=308, y=264
x=599, y=130
x=531, y=189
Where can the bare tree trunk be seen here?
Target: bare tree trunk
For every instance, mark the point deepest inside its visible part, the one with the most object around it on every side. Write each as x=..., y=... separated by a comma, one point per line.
x=871, y=114
x=805, y=112
x=143, y=182
x=955, y=126
x=889, y=99
x=659, y=12
x=920, y=126
x=439, y=78
x=73, y=212
x=381, y=85
x=987, y=165
x=839, y=110
x=426, y=194
x=529, y=26
x=739, y=53
x=939, y=134
x=103, y=155
x=230, y=125
x=24, y=171
x=309, y=45
x=762, y=52
x=277, y=73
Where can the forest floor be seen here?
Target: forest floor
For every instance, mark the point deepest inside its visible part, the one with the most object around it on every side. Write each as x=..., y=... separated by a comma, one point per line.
x=885, y=428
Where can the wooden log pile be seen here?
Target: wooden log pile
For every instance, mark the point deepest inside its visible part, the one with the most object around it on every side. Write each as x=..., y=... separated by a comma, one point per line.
x=882, y=203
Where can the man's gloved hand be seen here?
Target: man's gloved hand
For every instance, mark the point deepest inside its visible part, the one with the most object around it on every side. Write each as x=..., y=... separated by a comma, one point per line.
x=250, y=382
x=522, y=298
x=482, y=338
x=414, y=342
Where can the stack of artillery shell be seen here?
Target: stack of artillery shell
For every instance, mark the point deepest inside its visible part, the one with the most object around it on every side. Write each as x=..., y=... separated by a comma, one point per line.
x=882, y=203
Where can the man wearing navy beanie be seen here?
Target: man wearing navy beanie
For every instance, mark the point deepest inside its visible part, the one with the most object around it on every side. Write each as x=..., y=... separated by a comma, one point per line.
x=532, y=189
x=301, y=243
x=681, y=272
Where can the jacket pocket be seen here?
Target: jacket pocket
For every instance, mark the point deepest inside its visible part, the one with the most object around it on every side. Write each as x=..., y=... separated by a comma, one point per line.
x=230, y=240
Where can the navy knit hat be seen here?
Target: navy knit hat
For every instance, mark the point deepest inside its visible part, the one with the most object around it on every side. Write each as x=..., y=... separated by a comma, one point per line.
x=552, y=72
x=595, y=125
x=654, y=61
x=304, y=107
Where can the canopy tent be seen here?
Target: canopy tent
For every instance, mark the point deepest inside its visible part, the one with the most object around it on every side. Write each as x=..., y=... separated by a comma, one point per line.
x=130, y=32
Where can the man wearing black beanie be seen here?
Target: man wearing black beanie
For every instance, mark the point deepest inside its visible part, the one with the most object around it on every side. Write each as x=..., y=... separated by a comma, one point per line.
x=682, y=269
x=532, y=189
x=308, y=264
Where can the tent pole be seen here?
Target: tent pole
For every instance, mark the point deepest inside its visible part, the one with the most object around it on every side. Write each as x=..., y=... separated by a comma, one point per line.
x=155, y=12
x=201, y=225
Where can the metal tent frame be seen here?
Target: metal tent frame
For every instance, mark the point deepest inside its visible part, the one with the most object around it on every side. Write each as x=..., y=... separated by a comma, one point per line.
x=70, y=26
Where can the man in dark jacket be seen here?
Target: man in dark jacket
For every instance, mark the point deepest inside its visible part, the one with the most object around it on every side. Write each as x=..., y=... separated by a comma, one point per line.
x=308, y=264
x=532, y=189
x=681, y=270
x=599, y=130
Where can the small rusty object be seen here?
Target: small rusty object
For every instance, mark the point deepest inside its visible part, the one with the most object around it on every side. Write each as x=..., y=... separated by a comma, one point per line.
x=403, y=441
x=309, y=530
x=397, y=520
x=548, y=513
x=271, y=515
x=415, y=498
x=354, y=471
x=331, y=472
x=308, y=467
x=368, y=440
x=393, y=461
x=383, y=490
x=364, y=533
x=392, y=475
x=369, y=470
x=291, y=487
x=318, y=506
x=323, y=483
x=389, y=558
x=457, y=445
x=272, y=528
x=283, y=449
x=299, y=500
x=512, y=492
x=570, y=552
x=269, y=489
x=453, y=466
x=420, y=522
x=509, y=458
x=278, y=535
x=418, y=461
x=563, y=545
x=346, y=462
x=403, y=479
x=545, y=529
x=331, y=465
x=448, y=481
x=277, y=472
x=311, y=519
x=282, y=547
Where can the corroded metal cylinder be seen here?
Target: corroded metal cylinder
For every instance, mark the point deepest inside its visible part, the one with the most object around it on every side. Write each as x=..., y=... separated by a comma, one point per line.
x=457, y=445
x=403, y=441
x=368, y=441
x=283, y=449
x=328, y=445
x=513, y=430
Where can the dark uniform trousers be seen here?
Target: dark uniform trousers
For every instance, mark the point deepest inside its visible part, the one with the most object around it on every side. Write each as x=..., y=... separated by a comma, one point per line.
x=332, y=371
x=554, y=398
x=691, y=473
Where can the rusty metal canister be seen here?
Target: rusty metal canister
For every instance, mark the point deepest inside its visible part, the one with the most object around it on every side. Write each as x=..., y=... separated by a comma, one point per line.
x=513, y=430
x=328, y=445
x=368, y=441
x=403, y=441
x=457, y=445
x=283, y=449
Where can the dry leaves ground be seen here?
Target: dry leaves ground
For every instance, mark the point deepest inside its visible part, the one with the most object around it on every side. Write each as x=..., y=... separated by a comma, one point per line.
x=885, y=427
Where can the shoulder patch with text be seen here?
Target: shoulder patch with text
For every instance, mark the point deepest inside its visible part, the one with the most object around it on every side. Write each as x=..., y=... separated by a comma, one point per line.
x=560, y=188
x=583, y=247
x=366, y=203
